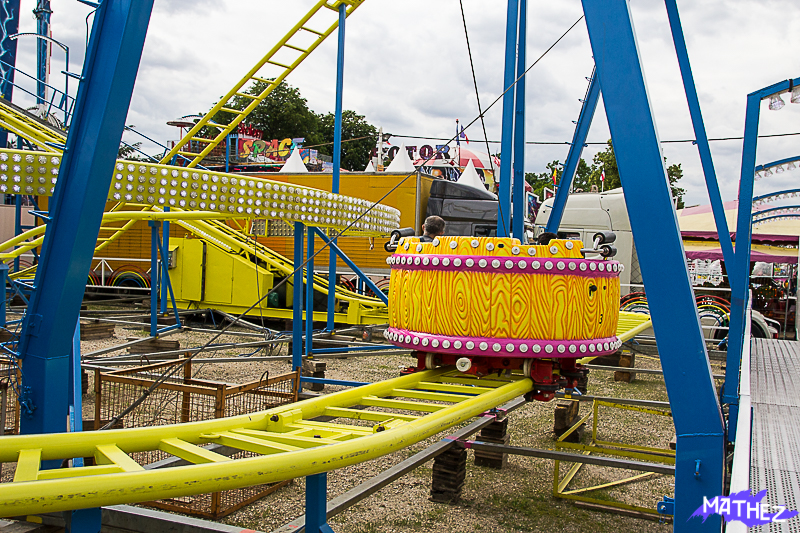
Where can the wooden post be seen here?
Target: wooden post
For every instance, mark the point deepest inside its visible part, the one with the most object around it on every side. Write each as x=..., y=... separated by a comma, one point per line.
x=98, y=397
x=186, y=402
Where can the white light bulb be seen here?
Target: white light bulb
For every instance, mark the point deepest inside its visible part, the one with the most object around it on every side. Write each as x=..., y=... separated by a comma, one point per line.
x=776, y=102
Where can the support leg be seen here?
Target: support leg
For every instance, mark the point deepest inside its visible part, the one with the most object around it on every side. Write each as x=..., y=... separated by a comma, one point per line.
x=317, y=504
x=696, y=413
x=297, y=299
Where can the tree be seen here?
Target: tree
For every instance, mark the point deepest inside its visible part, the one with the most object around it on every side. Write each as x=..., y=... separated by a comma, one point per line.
x=129, y=152
x=587, y=176
x=283, y=114
x=356, y=152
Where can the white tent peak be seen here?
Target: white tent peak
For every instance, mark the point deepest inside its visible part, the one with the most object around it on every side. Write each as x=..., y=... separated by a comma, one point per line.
x=401, y=161
x=370, y=167
x=294, y=164
x=471, y=178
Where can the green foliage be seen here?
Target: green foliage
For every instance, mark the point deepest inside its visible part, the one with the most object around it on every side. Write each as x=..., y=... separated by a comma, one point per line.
x=128, y=151
x=355, y=153
x=284, y=113
x=587, y=176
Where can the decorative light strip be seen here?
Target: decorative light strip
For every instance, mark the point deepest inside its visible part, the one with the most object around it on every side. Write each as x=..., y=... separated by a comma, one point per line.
x=506, y=265
x=26, y=172
x=776, y=218
x=766, y=171
x=497, y=347
x=784, y=195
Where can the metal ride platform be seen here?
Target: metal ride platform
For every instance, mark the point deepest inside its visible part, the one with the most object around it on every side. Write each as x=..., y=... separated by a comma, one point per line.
x=775, y=445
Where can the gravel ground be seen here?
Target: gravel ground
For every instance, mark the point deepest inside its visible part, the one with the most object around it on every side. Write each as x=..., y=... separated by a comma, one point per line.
x=515, y=499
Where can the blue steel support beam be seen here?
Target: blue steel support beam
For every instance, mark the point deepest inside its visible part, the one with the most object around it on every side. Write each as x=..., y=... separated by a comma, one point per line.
x=778, y=162
x=696, y=413
x=337, y=157
x=164, y=263
x=297, y=299
x=520, y=204
x=349, y=262
x=741, y=270
x=8, y=55
x=701, y=138
x=740, y=273
x=507, y=139
x=575, y=150
x=76, y=209
x=317, y=504
x=42, y=13
x=154, y=225
x=309, y=291
x=3, y=282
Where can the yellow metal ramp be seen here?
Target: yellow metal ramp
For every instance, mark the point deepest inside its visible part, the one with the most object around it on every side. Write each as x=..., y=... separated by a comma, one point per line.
x=372, y=420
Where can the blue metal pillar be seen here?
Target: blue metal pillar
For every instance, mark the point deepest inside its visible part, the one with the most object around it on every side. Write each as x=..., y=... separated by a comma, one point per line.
x=227, y=152
x=317, y=504
x=164, y=264
x=17, y=223
x=507, y=139
x=520, y=204
x=8, y=55
x=309, y=290
x=154, y=282
x=699, y=463
x=76, y=208
x=3, y=282
x=575, y=150
x=42, y=13
x=337, y=158
x=700, y=136
x=740, y=273
x=297, y=299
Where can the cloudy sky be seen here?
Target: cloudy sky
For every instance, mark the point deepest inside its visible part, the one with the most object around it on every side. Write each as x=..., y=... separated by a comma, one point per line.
x=407, y=70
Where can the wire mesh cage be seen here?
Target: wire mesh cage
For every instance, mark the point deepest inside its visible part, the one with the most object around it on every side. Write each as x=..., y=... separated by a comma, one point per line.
x=181, y=398
x=9, y=406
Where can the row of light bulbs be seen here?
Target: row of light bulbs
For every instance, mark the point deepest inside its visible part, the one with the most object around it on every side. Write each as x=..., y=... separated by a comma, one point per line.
x=770, y=219
x=776, y=102
x=779, y=196
x=163, y=186
x=778, y=170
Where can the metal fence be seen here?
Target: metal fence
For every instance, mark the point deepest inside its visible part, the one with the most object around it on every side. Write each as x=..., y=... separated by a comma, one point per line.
x=182, y=398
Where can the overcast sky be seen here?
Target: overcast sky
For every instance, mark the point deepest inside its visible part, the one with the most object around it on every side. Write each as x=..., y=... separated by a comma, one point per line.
x=407, y=70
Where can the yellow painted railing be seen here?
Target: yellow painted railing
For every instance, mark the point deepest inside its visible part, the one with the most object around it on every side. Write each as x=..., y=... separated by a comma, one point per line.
x=288, y=443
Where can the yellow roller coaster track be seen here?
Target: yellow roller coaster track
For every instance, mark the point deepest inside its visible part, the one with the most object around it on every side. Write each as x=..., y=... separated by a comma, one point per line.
x=286, y=441
x=25, y=125
x=293, y=47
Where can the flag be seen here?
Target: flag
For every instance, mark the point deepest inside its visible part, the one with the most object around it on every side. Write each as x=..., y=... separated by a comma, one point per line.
x=463, y=135
x=603, y=175
x=555, y=175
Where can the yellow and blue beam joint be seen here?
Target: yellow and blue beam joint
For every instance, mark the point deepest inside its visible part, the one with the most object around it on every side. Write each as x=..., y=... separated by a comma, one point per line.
x=698, y=423
x=349, y=262
x=585, y=118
